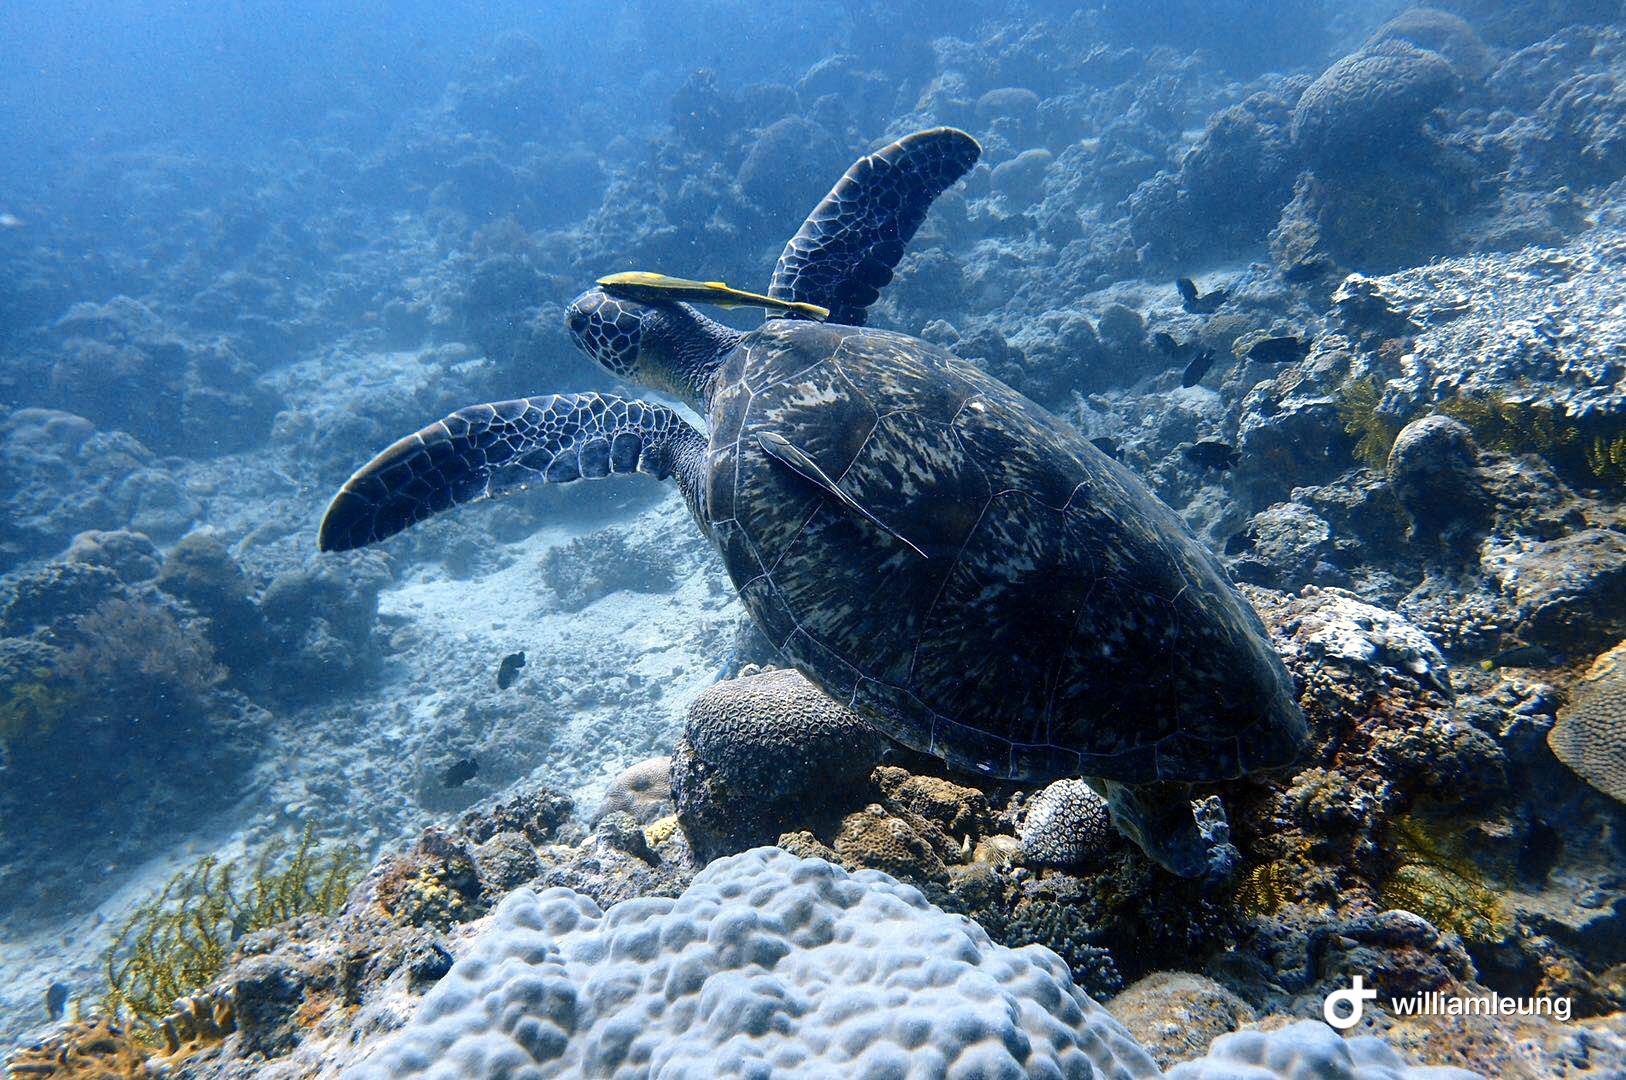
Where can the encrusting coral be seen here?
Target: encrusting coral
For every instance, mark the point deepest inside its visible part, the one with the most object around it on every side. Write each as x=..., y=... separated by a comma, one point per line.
x=32, y=699
x=96, y=1049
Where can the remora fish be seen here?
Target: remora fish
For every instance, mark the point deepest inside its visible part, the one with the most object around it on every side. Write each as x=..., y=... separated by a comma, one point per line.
x=658, y=288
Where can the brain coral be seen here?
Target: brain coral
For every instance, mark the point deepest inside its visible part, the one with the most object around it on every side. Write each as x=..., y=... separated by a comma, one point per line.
x=1307, y=1050
x=767, y=965
x=1441, y=31
x=1371, y=99
x=1590, y=736
x=765, y=753
x=643, y=790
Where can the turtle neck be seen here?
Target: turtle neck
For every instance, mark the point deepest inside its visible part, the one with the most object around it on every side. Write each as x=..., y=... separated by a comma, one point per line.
x=688, y=349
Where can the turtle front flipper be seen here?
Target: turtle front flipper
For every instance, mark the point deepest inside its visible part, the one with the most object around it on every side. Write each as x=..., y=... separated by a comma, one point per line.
x=487, y=450
x=844, y=253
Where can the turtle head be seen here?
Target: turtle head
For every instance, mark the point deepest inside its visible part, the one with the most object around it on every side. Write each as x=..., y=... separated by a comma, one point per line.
x=663, y=345
x=609, y=330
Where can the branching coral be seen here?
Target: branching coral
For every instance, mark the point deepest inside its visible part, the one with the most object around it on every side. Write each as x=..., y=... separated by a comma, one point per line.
x=175, y=943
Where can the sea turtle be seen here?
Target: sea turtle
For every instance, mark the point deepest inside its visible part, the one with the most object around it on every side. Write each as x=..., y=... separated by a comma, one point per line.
x=925, y=544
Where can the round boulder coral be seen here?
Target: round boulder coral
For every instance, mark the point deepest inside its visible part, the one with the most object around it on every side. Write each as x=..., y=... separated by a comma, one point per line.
x=1067, y=824
x=764, y=754
x=1433, y=471
x=643, y=790
x=1440, y=31
x=1370, y=100
x=1307, y=1050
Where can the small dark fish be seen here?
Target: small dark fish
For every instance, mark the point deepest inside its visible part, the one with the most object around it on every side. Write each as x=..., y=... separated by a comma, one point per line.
x=1520, y=656
x=1279, y=350
x=1197, y=368
x=1174, y=350
x=508, y=670
x=459, y=773
x=1109, y=446
x=1307, y=271
x=1200, y=304
x=1212, y=454
x=56, y=1001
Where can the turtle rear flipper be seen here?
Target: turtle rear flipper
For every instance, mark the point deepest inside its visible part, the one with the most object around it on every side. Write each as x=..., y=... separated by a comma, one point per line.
x=844, y=253
x=487, y=450
x=1186, y=836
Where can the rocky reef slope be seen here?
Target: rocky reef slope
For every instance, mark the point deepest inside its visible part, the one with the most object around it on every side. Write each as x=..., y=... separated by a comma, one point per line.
x=1418, y=485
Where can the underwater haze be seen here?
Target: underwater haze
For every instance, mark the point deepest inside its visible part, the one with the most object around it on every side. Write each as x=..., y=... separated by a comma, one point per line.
x=845, y=538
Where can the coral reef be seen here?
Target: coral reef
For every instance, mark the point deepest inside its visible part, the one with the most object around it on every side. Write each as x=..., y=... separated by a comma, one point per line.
x=200, y=570
x=204, y=334
x=323, y=617
x=64, y=476
x=592, y=567
x=107, y=693
x=1498, y=328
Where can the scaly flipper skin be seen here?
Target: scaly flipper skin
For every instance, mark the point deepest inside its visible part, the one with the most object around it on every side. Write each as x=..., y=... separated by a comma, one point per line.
x=844, y=253
x=487, y=450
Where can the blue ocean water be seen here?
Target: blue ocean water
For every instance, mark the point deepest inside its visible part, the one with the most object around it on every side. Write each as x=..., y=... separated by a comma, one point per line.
x=1218, y=402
